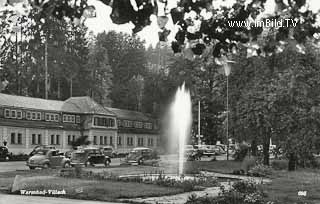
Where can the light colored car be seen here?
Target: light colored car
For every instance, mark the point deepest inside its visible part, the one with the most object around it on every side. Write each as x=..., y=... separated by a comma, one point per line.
x=48, y=158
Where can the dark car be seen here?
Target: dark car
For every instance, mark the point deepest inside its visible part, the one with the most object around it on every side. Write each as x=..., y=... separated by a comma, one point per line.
x=4, y=153
x=109, y=151
x=142, y=155
x=48, y=158
x=89, y=157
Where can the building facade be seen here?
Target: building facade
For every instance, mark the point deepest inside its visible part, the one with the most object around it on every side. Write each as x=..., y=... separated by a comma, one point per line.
x=136, y=129
x=26, y=122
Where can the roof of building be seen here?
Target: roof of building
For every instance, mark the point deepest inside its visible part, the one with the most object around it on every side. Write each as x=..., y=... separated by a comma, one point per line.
x=86, y=105
x=73, y=105
x=130, y=115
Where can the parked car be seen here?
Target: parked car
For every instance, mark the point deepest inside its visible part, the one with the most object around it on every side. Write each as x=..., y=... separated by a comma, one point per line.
x=4, y=153
x=142, y=155
x=109, y=151
x=89, y=157
x=48, y=158
x=39, y=148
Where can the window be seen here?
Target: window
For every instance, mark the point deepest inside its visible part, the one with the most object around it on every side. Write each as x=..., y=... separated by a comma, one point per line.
x=119, y=123
x=148, y=125
x=19, y=114
x=111, y=142
x=140, y=141
x=58, y=139
x=34, y=116
x=47, y=117
x=52, y=139
x=103, y=122
x=77, y=119
x=38, y=116
x=130, y=123
x=69, y=118
x=150, y=142
x=19, y=138
x=56, y=117
x=13, y=138
x=138, y=124
x=28, y=115
x=13, y=113
x=73, y=138
x=105, y=140
x=51, y=117
x=69, y=139
x=94, y=140
x=7, y=113
x=39, y=138
x=129, y=141
x=101, y=140
x=119, y=140
x=33, y=139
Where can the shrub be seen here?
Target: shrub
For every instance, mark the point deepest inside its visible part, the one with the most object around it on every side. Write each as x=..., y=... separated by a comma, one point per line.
x=279, y=164
x=260, y=170
x=242, y=192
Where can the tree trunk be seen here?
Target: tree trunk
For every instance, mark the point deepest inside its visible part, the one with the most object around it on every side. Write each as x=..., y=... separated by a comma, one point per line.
x=254, y=148
x=292, y=162
x=266, y=145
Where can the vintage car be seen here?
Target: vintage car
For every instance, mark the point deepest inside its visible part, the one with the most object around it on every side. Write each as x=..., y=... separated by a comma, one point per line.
x=4, y=153
x=89, y=157
x=108, y=151
x=48, y=158
x=39, y=148
x=142, y=155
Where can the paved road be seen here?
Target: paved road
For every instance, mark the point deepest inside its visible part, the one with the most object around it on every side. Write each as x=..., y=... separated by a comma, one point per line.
x=13, y=166
x=18, y=199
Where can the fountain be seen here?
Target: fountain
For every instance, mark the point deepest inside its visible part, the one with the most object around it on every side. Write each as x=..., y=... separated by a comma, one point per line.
x=180, y=121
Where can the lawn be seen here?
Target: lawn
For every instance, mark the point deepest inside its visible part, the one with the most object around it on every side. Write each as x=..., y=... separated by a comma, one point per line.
x=285, y=186
x=99, y=189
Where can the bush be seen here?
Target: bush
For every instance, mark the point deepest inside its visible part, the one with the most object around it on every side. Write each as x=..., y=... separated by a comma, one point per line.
x=260, y=170
x=279, y=164
x=241, y=192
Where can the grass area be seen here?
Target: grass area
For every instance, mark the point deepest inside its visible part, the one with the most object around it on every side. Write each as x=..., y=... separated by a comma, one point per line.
x=100, y=189
x=213, y=166
x=285, y=186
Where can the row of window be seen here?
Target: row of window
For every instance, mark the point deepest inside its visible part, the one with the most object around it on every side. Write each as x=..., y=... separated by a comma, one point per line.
x=103, y=140
x=103, y=122
x=136, y=124
x=31, y=115
x=55, y=139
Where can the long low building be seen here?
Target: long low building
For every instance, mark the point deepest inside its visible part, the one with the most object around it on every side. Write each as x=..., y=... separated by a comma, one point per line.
x=26, y=122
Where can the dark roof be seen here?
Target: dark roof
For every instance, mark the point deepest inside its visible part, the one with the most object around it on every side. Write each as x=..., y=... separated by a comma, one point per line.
x=130, y=115
x=86, y=105
x=73, y=105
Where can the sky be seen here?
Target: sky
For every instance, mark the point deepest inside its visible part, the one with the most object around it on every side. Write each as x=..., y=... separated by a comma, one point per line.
x=102, y=21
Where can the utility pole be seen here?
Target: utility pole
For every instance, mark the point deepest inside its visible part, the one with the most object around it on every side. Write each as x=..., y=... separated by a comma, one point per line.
x=46, y=67
x=227, y=117
x=199, y=124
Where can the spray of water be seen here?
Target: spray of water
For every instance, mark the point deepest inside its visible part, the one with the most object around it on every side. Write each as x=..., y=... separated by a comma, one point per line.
x=181, y=120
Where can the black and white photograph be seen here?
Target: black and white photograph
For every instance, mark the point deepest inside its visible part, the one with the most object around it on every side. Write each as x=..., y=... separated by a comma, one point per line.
x=160, y=101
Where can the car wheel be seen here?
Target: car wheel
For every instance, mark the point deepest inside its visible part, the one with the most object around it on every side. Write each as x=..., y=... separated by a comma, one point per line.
x=140, y=161
x=32, y=167
x=66, y=165
x=46, y=166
